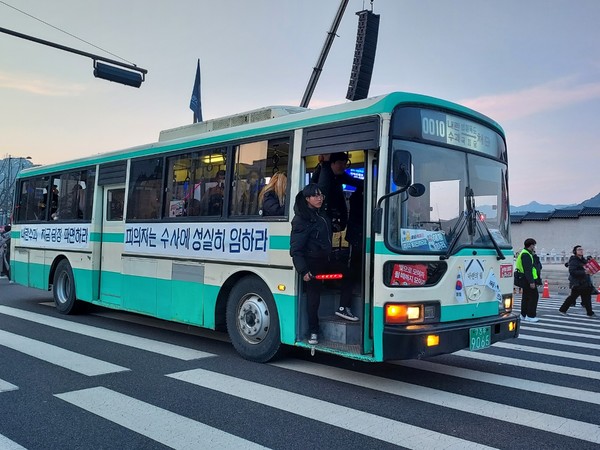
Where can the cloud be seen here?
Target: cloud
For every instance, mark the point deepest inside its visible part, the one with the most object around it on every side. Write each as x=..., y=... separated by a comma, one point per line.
x=37, y=86
x=550, y=96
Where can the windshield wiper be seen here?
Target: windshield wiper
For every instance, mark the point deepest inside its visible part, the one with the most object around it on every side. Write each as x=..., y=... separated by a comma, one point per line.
x=489, y=233
x=458, y=230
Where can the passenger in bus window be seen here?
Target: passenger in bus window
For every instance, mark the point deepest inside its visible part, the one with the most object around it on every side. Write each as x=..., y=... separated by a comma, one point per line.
x=271, y=200
x=212, y=203
x=54, y=201
x=250, y=198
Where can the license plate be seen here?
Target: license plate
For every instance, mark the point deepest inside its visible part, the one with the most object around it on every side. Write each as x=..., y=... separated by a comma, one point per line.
x=480, y=338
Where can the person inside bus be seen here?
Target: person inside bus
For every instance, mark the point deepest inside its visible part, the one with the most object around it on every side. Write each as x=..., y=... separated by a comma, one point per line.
x=212, y=203
x=331, y=176
x=271, y=201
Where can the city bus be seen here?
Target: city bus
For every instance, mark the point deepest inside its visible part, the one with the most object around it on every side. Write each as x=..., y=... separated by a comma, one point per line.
x=173, y=229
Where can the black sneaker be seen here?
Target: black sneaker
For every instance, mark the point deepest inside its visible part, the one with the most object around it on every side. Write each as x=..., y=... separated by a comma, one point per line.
x=345, y=313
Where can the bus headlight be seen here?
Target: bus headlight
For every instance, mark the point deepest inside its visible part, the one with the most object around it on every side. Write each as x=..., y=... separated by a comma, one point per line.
x=400, y=314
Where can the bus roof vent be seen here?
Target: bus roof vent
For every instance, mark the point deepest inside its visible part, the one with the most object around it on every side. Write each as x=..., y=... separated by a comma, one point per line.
x=236, y=120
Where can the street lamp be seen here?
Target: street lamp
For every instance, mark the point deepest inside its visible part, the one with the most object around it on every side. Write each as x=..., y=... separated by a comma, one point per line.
x=8, y=187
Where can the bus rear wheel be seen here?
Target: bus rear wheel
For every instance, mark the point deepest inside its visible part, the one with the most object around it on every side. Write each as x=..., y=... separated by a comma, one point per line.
x=253, y=321
x=63, y=289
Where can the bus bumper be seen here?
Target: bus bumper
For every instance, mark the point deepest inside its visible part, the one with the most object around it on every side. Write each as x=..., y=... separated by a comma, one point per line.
x=410, y=341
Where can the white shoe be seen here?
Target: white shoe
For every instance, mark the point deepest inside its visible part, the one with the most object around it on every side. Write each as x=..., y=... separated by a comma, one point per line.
x=532, y=319
x=314, y=339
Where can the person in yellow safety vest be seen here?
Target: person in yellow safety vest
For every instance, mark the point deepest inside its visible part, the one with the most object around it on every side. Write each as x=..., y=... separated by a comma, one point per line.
x=525, y=264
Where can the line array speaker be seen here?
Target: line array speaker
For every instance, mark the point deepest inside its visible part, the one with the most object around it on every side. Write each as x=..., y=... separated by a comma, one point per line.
x=364, y=55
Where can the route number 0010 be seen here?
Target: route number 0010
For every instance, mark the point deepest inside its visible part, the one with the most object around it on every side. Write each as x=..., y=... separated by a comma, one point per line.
x=433, y=127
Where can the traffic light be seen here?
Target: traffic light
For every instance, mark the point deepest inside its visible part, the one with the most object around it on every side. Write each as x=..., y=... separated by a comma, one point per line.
x=364, y=55
x=118, y=75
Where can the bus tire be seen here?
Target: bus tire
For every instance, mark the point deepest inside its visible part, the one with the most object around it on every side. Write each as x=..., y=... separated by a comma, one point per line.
x=63, y=289
x=253, y=321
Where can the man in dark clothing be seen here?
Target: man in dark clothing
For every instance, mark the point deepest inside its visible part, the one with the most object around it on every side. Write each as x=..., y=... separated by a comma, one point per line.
x=331, y=177
x=525, y=264
x=580, y=283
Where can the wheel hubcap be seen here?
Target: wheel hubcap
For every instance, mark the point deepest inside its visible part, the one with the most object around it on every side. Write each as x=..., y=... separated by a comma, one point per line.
x=63, y=288
x=253, y=319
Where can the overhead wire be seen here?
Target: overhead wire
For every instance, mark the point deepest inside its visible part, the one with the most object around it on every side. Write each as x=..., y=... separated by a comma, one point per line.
x=65, y=32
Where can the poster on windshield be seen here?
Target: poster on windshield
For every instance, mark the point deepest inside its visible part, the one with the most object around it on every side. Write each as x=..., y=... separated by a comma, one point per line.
x=417, y=239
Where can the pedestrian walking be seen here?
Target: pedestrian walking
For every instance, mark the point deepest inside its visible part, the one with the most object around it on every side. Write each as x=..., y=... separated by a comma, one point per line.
x=580, y=283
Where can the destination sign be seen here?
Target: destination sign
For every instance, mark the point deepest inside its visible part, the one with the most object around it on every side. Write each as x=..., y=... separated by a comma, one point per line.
x=438, y=126
x=454, y=130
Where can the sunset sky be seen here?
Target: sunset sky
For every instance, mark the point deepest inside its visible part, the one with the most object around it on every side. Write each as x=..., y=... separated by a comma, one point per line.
x=531, y=65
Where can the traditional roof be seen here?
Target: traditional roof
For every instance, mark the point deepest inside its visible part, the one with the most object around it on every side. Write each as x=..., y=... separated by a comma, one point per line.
x=556, y=214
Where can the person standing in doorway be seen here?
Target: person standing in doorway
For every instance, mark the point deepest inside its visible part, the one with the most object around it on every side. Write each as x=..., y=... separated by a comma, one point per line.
x=580, y=283
x=526, y=265
x=310, y=246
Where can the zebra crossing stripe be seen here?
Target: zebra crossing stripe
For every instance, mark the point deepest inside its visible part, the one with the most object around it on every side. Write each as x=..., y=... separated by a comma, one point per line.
x=529, y=364
x=504, y=381
x=483, y=408
x=367, y=424
x=158, y=424
x=549, y=352
x=58, y=356
x=5, y=386
x=150, y=345
x=7, y=444
x=585, y=344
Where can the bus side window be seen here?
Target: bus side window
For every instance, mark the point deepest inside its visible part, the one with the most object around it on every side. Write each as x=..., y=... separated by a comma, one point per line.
x=256, y=164
x=114, y=204
x=145, y=189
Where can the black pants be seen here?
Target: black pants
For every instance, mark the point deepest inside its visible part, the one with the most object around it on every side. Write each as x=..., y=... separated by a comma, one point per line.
x=529, y=301
x=586, y=299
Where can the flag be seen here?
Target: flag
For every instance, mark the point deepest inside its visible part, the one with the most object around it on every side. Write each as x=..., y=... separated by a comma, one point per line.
x=459, y=293
x=195, y=104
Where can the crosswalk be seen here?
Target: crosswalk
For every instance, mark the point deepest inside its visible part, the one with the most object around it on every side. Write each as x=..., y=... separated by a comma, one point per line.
x=543, y=385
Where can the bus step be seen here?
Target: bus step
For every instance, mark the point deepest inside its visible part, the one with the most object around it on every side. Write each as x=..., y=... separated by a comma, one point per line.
x=341, y=331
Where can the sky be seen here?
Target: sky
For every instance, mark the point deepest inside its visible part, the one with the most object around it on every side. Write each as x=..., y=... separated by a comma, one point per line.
x=532, y=65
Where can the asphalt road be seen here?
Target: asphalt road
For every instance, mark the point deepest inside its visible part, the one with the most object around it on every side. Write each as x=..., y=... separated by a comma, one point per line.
x=112, y=380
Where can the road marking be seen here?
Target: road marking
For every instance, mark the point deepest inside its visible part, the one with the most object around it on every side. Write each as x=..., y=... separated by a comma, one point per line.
x=585, y=345
x=546, y=351
x=5, y=386
x=384, y=429
x=505, y=381
x=529, y=364
x=58, y=356
x=7, y=444
x=150, y=345
x=483, y=408
x=163, y=426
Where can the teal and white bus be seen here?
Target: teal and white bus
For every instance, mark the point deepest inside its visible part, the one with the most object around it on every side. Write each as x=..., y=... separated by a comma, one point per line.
x=173, y=229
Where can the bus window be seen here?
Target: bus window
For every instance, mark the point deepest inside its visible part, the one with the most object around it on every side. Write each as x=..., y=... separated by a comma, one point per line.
x=255, y=164
x=145, y=186
x=31, y=204
x=77, y=195
x=114, y=204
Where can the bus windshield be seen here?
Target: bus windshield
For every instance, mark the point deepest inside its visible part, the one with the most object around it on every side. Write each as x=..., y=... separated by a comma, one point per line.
x=464, y=205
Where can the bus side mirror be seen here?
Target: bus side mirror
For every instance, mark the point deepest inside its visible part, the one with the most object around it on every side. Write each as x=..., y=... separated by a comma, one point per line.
x=401, y=165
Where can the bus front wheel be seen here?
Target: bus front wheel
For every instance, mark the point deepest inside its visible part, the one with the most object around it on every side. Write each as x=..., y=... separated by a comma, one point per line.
x=63, y=288
x=253, y=321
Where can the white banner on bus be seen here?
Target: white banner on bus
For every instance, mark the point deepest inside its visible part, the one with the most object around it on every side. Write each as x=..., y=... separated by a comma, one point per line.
x=68, y=236
x=212, y=241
